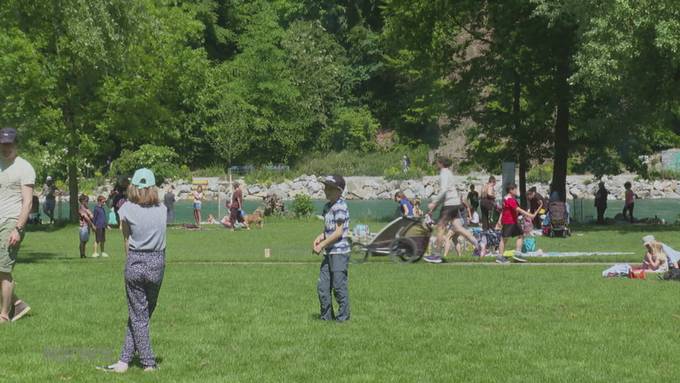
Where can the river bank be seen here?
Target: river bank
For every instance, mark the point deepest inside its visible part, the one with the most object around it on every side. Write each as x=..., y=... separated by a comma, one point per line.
x=378, y=188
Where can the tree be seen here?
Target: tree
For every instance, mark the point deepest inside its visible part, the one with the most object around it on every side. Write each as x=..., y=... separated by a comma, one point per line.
x=94, y=66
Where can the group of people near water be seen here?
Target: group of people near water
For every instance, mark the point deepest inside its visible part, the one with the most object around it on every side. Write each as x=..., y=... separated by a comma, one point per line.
x=458, y=212
x=235, y=219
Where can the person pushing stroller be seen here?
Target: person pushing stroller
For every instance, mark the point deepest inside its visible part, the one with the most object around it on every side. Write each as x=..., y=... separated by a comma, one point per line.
x=451, y=203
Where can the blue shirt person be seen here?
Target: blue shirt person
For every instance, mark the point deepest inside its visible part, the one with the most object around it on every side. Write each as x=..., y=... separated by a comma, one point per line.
x=333, y=243
x=405, y=206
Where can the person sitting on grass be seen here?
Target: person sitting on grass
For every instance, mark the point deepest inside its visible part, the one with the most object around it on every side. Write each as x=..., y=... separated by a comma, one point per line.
x=511, y=226
x=656, y=259
x=489, y=240
x=334, y=244
x=405, y=206
x=85, y=223
x=417, y=210
x=673, y=256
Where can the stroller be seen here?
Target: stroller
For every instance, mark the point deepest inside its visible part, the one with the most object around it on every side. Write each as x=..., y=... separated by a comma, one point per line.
x=404, y=240
x=558, y=218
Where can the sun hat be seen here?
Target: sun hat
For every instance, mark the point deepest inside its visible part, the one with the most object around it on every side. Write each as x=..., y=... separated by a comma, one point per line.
x=648, y=239
x=334, y=181
x=143, y=178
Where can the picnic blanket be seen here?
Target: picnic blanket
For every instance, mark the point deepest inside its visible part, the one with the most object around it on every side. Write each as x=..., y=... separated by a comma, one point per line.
x=574, y=253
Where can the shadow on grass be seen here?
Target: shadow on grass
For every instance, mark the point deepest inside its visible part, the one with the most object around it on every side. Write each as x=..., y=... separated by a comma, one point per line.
x=46, y=228
x=136, y=362
x=625, y=228
x=29, y=257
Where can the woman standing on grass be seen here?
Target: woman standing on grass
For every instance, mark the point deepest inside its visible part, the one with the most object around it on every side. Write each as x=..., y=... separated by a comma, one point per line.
x=143, y=222
x=198, y=201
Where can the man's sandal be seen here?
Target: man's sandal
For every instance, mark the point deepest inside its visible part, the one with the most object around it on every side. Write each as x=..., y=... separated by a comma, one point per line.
x=4, y=320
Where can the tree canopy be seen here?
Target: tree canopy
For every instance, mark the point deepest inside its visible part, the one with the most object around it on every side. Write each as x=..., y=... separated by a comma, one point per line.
x=260, y=82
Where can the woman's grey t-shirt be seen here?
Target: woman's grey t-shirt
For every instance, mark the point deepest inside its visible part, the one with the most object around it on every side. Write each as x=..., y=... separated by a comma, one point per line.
x=147, y=226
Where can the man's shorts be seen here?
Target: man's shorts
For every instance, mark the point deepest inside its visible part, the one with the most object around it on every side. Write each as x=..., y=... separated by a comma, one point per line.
x=511, y=231
x=8, y=255
x=100, y=235
x=84, y=234
x=449, y=213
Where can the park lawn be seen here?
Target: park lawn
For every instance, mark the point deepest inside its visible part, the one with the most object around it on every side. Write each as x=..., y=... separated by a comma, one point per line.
x=227, y=314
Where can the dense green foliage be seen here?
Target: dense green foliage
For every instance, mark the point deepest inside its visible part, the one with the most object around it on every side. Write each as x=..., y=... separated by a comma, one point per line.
x=303, y=206
x=224, y=82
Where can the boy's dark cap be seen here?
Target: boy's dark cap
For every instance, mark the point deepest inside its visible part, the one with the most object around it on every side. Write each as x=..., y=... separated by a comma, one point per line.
x=8, y=135
x=334, y=181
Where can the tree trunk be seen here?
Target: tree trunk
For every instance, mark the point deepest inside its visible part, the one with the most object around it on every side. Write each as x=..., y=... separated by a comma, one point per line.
x=517, y=123
x=72, y=169
x=73, y=189
x=561, y=155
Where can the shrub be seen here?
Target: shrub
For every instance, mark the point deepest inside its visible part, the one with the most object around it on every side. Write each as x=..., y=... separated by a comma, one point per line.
x=353, y=128
x=354, y=163
x=303, y=206
x=395, y=174
x=161, y=159
x=540, y=173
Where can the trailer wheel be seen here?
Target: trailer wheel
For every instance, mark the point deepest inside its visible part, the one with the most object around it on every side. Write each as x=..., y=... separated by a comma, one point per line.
x=359, y=253
x=404, y=250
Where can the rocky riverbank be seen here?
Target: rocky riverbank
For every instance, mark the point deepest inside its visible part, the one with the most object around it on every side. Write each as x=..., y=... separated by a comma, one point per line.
x=370, y=188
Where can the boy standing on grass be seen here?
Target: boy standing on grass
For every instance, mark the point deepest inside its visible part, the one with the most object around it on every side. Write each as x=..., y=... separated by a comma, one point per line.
x=334, y=242
x=85, y=223
x=511, y=226
x=99, y=219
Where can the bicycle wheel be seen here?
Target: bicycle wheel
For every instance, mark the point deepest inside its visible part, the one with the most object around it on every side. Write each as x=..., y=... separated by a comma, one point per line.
x=359, y=253
x=404, y=250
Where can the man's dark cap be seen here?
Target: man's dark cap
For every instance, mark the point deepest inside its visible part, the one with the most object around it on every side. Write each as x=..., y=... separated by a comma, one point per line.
x=8, y=135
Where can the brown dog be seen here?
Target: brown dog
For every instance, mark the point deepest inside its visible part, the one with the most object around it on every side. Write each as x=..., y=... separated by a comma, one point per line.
x=256, y=218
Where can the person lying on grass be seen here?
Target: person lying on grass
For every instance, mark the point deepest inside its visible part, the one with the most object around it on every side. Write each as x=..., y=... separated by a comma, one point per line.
x=511, y=227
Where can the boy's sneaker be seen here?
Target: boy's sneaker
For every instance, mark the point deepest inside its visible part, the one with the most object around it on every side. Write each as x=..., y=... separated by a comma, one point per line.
x=502, y=260
x=104, y=255
x=19, y=309
x=118, y=367
x=433, y=259
x=151, y=369
x=95, y=255
x=517, y=257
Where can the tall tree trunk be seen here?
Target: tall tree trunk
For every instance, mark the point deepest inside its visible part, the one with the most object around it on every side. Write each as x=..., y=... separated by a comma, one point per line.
x=72, y=169
x=563, y=98
x=517, y=123
x=73, y=189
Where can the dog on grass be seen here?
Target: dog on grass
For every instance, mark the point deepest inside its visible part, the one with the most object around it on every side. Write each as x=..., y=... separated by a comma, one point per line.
x=255, y=218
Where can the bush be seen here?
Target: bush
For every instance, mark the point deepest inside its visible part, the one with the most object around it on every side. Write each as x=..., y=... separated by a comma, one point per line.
x=303, y=206
x=353, y=163
x=162, y=160
x=352, y=128
x=540, y=173
x=396, y=174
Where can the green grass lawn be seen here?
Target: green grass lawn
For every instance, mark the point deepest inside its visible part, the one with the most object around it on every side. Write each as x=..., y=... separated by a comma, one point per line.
x=228, y=314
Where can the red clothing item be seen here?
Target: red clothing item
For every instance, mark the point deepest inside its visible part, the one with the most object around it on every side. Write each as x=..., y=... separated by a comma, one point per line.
x=509, y=216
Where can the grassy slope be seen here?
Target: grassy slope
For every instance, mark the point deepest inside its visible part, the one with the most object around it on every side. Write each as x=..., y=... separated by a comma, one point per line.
x=221, y=322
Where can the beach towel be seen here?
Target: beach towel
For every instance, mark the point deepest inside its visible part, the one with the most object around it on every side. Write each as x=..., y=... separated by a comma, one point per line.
x=618, y=270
